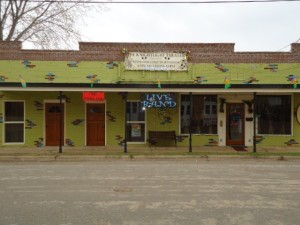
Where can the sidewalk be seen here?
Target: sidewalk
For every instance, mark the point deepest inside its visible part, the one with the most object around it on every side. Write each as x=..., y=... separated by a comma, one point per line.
x=21, y=154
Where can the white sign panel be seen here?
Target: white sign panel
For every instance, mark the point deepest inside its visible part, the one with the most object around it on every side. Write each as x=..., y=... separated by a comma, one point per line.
x=156, y=61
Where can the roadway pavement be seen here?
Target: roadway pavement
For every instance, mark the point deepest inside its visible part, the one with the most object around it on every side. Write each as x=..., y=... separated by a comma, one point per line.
x=151, y=192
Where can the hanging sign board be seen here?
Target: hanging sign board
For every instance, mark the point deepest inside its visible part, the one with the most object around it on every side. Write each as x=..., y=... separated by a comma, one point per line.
x=156, y=61
x=93, y=96
x=159, y=100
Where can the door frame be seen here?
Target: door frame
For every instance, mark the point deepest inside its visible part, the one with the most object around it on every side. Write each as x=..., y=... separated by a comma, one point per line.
x=44, y=119
x=233, y=143
x=105, y=123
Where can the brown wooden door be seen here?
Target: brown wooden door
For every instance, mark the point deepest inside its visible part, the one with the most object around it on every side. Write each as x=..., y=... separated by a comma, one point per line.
x=53, y=112
x=235, y=125
x=95, y=117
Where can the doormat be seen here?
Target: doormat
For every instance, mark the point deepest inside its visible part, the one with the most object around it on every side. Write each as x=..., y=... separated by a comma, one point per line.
x=240, y=148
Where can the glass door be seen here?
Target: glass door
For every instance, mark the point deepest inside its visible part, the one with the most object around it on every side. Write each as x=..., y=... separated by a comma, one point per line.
x=235, y=128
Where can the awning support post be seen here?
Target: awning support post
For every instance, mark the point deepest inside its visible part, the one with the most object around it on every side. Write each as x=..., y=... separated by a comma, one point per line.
x=190, y=128
x=254, y=122
x=125, y=108
x=60, y=122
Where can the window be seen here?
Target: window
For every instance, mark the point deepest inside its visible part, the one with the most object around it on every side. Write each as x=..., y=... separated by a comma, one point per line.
x=135, y=122
x=274, y=114
x=54, y=109
x=203, y=114
x=14, y=122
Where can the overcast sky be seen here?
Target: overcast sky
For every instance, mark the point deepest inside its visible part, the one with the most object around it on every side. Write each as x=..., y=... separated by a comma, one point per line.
x=251, y=26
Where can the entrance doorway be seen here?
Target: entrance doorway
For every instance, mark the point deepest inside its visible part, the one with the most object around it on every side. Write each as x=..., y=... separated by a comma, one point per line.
x=53, y=113
x=235, y=128
x=95, y=124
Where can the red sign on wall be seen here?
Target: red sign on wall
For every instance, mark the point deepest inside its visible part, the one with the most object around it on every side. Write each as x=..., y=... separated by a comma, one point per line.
x=94, y=96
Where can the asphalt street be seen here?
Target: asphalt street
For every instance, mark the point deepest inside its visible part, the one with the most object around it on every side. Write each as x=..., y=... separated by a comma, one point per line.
x=150, y=192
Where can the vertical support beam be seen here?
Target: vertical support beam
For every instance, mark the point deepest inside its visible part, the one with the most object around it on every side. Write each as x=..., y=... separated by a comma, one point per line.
x=191, y=113
x=254, y=122
x=125, y=117
x=60, y=122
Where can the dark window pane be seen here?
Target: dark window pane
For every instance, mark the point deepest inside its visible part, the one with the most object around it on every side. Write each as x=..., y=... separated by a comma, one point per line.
x=54, y=109
x=214, y=109
x=97, y=109
x=207, y=109
x=274, y=114
x=188, y=109
x=14, y=132
x=134, y=112
x=182, y=110
x=14, y=111
x=203, y=114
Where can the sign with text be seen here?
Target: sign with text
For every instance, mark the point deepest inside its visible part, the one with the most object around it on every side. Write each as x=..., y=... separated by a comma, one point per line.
x=160, y=100
x=93, y=96
x=156, y=61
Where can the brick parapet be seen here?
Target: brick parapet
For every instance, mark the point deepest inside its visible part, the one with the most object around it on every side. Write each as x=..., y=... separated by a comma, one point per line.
x=157, y=47
x=295, y=48
x=10, y=45
x=199, y=52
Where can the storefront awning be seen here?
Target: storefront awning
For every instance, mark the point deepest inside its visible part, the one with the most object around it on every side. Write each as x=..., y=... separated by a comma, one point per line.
x=176, y=88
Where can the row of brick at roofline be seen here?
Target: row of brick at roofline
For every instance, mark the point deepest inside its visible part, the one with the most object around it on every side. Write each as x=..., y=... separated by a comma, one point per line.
x=104, y=51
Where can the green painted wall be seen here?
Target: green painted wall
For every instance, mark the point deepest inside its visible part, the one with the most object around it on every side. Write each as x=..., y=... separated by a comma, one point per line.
x=74, y=107
x=238, y=73
x=115, y=119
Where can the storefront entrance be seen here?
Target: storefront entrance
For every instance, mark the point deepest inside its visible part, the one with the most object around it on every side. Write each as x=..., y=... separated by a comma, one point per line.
x=95, y=124
x=53, y=113
x=235, y=129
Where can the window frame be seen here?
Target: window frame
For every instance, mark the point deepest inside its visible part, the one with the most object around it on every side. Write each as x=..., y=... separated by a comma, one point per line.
x=291, y=120
x=137, y=122
x=204, y=108
x=13, y=122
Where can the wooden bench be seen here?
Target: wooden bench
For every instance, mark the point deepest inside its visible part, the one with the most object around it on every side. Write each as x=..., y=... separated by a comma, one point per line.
x=156, y=137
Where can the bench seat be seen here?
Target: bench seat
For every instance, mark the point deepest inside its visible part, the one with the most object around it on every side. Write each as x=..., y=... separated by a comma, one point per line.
x=159, y=137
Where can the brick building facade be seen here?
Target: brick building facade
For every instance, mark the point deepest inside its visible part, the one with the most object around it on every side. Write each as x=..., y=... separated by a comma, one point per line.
x=221, y=98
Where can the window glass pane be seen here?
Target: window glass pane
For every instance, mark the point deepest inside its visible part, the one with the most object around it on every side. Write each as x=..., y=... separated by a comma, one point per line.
x=273, y=114
x=54, y=109
x=14, y=132
x=134, y=112
x=14, y=111
x=207, y=109
x=203, y=114
x=214, y=109
x=135, y=132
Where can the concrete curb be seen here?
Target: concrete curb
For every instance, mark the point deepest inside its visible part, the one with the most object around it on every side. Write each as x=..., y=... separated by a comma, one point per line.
x=95, y=158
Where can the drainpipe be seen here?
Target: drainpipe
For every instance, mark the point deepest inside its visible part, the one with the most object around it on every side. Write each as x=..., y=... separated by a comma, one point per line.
x=191, y=111
x=60, y=122
x=125, y=139
x=254, y=122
